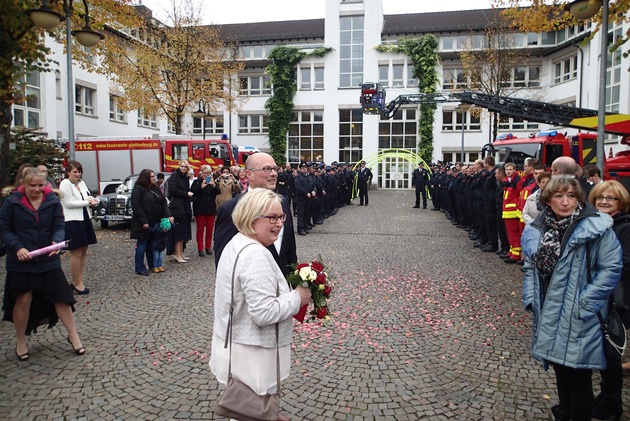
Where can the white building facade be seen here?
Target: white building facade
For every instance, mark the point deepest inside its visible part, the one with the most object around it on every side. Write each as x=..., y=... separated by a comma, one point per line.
x=328, y=124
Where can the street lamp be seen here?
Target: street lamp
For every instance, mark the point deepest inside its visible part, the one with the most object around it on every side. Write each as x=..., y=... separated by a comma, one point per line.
x=202, y=113
x=46, y=18
x=586, y=9
x=463, y=108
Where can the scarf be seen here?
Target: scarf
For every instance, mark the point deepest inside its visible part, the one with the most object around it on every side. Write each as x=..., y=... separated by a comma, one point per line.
x=546, y=258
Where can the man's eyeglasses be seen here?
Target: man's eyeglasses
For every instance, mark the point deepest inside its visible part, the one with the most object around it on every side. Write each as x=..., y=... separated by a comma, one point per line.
x=273, y=219
x=267, y=170
x=606, y=198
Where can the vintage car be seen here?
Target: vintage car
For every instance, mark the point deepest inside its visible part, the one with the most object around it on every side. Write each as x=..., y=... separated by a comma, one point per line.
x=115, y=207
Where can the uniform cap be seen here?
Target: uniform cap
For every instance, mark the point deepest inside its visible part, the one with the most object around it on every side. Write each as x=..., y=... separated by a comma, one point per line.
x=302, y=164
x=362, y=162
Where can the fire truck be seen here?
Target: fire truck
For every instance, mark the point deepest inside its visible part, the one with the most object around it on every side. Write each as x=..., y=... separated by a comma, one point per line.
x=107, y=161
x=544, y=146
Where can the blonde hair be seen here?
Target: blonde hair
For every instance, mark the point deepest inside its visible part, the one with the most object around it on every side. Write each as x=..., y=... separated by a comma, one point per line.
x=251, y=206
x=205, y=168
x=618, y=189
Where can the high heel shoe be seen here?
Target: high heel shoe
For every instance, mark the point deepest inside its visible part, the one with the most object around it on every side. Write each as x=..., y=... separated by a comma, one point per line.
x=23, y=357
x=78, y=351
x=180, y=261
x=85, y=291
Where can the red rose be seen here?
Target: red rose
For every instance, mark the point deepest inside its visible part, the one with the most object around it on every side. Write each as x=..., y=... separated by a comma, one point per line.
x=327, y=290
x=321, y=312
x=321, y=279
x=301, y=265
x=316, y=266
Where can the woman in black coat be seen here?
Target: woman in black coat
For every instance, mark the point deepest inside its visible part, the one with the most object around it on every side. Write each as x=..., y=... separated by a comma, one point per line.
x=205, y=193
x=149, y=207
x=180, y=195
x=36, y=290
x=612, y=198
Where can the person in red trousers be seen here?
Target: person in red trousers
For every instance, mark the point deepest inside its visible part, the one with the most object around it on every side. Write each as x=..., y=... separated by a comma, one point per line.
x=205, y=192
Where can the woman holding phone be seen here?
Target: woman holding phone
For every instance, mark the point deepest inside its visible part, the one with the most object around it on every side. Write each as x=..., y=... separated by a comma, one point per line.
x=205, y=193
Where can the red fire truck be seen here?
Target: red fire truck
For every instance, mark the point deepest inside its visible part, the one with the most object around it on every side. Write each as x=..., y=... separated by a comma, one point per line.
x=107, y=161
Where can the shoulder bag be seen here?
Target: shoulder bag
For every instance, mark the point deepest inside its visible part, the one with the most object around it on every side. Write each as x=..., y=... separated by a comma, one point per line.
x=613, y=328
x=238, y=401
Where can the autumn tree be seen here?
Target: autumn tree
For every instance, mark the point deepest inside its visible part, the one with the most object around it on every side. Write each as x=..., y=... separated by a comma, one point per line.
x=23, y=50
x=550, y=15
x=169, y=69
x=491, y=62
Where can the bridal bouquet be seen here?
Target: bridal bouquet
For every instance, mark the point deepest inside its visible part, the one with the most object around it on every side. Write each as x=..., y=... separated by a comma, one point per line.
x=313, y=276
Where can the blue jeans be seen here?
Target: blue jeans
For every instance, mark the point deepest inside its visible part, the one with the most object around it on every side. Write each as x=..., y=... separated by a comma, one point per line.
x=158, y=257
x=143, y=250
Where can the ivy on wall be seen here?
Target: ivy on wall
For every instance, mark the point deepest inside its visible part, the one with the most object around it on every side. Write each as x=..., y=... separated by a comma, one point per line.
x=280, y=105
x=424, y=55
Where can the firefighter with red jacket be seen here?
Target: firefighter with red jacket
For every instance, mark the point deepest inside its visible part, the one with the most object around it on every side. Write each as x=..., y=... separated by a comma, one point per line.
x=510, y=213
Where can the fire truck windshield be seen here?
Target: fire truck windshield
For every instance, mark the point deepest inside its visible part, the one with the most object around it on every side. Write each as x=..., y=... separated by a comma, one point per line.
x=517, y=153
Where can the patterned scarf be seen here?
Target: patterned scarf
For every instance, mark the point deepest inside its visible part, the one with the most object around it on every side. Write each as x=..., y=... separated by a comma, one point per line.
x=546, y=258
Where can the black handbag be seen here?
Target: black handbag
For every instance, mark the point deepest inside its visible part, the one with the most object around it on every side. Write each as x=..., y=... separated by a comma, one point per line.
x=614, y=331
x=238, y=401
x=613, y=328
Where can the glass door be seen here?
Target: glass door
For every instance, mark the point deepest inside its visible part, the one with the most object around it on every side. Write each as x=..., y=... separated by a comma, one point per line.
x=395, y=173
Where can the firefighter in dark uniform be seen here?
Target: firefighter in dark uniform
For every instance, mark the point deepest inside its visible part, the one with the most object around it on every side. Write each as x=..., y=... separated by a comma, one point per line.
x=363, y=183
x=349, y=175
x=304, y=191
x=419, y=180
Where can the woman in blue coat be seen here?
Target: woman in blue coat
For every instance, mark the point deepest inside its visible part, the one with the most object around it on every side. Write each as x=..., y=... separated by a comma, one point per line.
x=36, y=290
x=564, y=303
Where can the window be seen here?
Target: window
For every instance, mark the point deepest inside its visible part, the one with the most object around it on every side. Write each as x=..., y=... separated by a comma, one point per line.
x=523, y=77
x=397, y=75
x=401, y=74
x=509, y=124
x=350, y=135
x=401, y=131
x=213, y=125
x=306, y=137
x=170, y=125
x=147, y=119
x=383, y=75
x=255, y=85
x=566, y=69
x=455, y=79
x=115, y=113
x=27, y=105
x=58, y=84
x=452, y=121
x=252, y=124
x=351, y=51
x=255, y=52
x=311, y=76
x=84, y=100
x=613, y=72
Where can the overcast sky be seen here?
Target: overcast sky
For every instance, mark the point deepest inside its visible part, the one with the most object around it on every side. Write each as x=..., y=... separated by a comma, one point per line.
x=242, y=11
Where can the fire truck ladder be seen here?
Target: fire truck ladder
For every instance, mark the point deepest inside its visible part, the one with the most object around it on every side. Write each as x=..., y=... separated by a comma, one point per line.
x=535, y=111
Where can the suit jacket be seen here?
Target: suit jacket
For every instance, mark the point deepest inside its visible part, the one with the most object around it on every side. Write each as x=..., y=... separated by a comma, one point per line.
x=224, y=230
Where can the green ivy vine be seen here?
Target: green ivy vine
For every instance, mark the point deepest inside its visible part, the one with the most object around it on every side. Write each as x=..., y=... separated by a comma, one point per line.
x=424, y=55
x=280, y=105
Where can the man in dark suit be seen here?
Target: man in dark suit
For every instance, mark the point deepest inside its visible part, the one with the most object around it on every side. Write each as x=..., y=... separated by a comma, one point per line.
x=261, y=172
x=419, y=180
x=364, y=180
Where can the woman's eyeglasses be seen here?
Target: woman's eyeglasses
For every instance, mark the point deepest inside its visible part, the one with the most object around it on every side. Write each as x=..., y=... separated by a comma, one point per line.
x=606, y=198
x=273, y=219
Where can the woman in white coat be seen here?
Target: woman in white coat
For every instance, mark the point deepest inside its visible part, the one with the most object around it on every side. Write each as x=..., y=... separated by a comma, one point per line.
x=258, y=216
x=76, y=201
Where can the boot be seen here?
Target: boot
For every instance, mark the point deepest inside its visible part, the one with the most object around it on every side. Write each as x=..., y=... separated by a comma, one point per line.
x=607, y=406
x=560, y=414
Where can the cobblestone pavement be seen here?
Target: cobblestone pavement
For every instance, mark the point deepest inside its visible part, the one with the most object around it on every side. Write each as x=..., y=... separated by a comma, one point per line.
x=425, y=327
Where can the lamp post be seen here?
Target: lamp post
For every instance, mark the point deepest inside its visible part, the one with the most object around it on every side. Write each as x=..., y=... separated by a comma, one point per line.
x=463, y=108
x=46, y=18
x=202, y=113
x=586, y=9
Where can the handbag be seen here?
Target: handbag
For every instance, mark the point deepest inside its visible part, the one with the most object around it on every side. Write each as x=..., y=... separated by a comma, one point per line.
x=238, y=401
x=613, y=328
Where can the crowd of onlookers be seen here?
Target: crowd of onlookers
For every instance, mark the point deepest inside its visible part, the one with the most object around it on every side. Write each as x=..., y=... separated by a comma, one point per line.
x=570, y=230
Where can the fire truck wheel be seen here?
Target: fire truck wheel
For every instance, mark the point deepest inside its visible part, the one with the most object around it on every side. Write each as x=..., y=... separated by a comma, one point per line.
x=104, y=224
